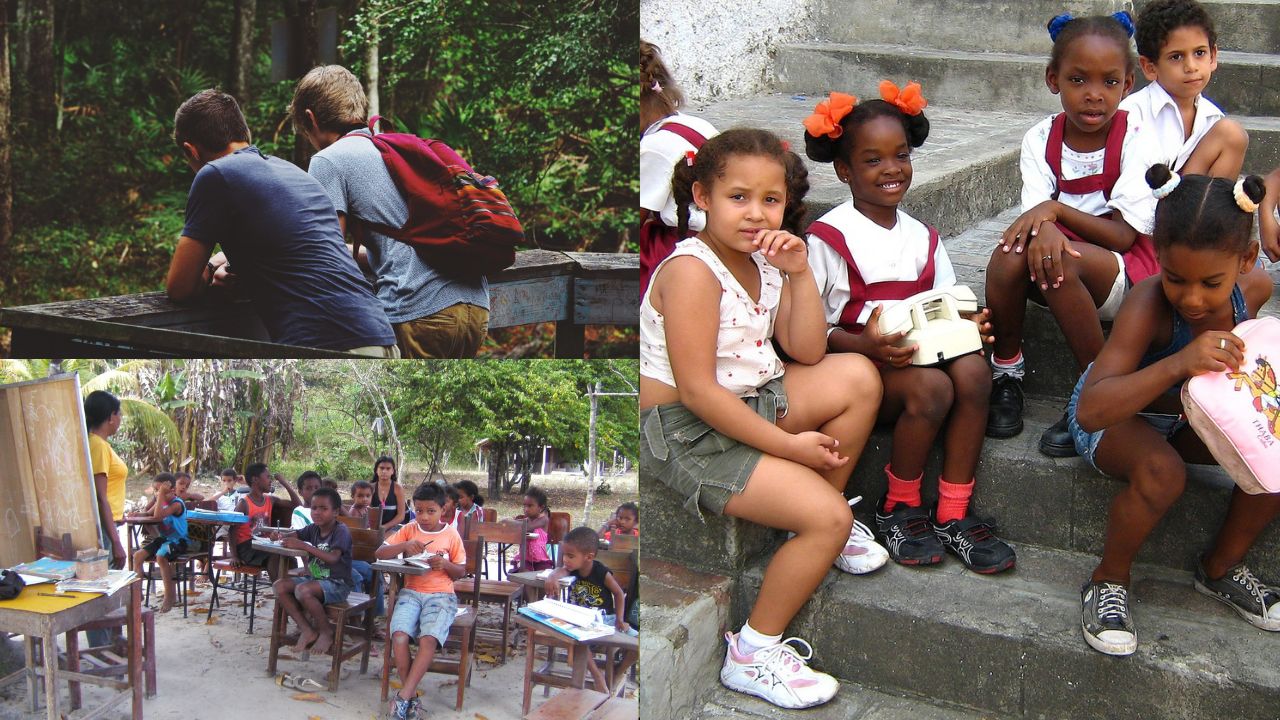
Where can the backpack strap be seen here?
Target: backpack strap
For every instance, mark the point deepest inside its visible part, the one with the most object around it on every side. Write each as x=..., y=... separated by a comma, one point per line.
x=1112, y=151
x=691, y=136
x=860, y=293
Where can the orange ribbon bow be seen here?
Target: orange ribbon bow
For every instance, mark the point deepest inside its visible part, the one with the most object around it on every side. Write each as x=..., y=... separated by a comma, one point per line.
x=908, y=99
x=826, y=117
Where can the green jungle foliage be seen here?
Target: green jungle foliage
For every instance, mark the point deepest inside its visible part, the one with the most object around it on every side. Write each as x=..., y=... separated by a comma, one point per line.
x=536, y=93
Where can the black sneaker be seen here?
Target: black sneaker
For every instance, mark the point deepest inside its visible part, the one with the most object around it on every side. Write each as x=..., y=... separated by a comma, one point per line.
x=1004, y=415
x=1104, y=617
x=1252, y=599
x=975, y=543
x=1056, y=441
x=908, y=535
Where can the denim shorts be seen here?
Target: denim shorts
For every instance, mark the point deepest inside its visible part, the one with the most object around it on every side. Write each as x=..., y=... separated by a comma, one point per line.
x=335, y=591
x=704, y=466
x=424, y=614
x=1087, y=442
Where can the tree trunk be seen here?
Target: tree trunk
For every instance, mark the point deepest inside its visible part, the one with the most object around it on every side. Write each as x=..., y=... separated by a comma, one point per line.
x=6, y=180
x=306, y=50
x=43, y=107
x=371, y=68
x=591, y=455
x=242, y=49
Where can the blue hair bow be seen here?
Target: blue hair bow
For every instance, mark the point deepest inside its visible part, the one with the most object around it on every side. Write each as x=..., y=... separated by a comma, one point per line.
x=1125, y=20
x=1057, y=23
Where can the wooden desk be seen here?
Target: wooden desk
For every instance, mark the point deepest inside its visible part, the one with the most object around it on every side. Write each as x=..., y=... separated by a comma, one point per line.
x=279, y=618
x=581, y=655
x=536, y=585
x=35, y=616
x=569, y=705
x=134, y=525
x=616, y=709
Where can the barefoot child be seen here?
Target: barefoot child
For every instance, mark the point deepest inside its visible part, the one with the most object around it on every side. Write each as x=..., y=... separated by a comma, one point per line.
x=866, y=255
x=257, y=504
x=172, y=537
x=327, y=543
x=1178, y=52
x=722, y=425
x=1126, y=412
x=425, y=608
x=1082, y=238
x=594, y=586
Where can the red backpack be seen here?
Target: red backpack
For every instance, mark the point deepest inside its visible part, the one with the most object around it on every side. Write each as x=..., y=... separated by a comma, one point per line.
x=460, y=222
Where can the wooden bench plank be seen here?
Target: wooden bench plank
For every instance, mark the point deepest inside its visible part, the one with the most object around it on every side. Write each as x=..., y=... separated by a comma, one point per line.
x=568, y=705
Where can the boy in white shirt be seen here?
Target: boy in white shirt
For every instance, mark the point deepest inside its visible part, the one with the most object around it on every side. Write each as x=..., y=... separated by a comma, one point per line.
x=1178, y=51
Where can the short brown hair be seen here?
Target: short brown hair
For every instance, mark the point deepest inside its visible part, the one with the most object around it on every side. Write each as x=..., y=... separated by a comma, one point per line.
x=333, y=95
x=210, y=120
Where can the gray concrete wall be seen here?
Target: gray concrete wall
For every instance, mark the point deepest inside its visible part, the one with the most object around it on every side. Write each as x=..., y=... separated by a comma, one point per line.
x=723, y=50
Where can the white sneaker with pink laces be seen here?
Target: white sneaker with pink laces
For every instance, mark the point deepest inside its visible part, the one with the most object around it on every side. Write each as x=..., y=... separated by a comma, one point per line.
x=861, y=554
x=777, y=673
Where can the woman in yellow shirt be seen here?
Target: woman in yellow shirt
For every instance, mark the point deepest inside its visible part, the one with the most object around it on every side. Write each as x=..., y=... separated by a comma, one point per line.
x=102, y=415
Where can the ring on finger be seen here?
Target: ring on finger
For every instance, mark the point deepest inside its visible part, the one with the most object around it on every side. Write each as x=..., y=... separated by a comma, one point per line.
x=1222, y=343
x=1046, y=257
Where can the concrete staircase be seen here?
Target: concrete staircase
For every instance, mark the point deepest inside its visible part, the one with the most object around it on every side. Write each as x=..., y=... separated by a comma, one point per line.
x=941, y=642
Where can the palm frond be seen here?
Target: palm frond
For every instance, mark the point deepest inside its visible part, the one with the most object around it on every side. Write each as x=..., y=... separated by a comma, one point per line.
x=147, y=421
x=116, y=381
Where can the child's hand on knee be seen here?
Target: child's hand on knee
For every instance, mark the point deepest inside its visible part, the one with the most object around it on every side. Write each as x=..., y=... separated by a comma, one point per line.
x=1028, y=226
x=1212, y=351
x=816, y=450
x=1044, y=256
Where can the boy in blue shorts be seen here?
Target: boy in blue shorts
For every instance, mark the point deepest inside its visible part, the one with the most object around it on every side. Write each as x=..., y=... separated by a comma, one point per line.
x=327, y=543
x=425, y=608
x=1178, y=51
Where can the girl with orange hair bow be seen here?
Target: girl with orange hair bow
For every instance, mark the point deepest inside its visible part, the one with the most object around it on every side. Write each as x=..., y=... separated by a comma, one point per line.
x=867, y=255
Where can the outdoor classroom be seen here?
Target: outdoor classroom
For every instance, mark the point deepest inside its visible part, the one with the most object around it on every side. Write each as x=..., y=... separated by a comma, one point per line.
x=296, y=534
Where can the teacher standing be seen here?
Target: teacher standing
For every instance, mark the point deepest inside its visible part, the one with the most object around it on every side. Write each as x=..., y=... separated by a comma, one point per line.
x=102, y=415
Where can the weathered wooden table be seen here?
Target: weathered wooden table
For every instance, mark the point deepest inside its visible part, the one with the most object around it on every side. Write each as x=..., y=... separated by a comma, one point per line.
x=34, y=614
x=572, y=290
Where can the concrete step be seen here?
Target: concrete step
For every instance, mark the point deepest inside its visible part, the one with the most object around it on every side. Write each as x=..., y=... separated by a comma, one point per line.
x=1012, y=643
x=966, y=171
x=685, y=614
x=1018, y=26
x=1245, y=83
x=854, y=702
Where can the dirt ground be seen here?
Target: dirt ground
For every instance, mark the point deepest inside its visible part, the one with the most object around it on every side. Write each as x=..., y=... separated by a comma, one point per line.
x=210, y=670
x=213, y=669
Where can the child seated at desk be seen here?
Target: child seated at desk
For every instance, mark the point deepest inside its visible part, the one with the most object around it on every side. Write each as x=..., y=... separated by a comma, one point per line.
x=327, y=543
x=426, y=607
x=308, y=483
x=172, y=537
x=594, y=585
x=361, y=500
x=227, y=497
x=625, y=521
x=538, y=513
x=182, y=487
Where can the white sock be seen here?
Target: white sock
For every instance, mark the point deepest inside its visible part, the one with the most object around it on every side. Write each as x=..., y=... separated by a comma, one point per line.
x=1015, y=369
x=751, y=640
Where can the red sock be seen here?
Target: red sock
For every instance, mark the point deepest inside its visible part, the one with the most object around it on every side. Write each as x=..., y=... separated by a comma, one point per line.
x=953, y=500
x=902, y=491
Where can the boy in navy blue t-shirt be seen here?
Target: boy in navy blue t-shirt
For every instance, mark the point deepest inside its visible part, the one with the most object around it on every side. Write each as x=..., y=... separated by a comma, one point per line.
x=277, y=228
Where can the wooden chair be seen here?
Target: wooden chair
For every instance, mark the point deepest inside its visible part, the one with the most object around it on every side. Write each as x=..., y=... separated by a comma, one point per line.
x=561, y=523
x=184, y=574
x=461, y=634
x=503, y=592
x=104, y=661
x=355, y=615
x=624, y=543
x=355, y=523
x=625, y=569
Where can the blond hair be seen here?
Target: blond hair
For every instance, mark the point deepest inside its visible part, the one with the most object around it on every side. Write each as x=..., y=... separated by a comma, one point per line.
x=333, y=95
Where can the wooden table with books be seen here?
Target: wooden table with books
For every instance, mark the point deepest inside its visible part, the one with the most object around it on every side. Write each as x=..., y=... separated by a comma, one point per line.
x=39, y=613
x=581, y=655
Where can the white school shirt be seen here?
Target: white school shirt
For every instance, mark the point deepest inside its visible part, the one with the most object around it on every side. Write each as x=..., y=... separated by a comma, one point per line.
x=659, y=152
x=745, y=358
x=1157, y=110
x=1130, y=196
x=882, y=255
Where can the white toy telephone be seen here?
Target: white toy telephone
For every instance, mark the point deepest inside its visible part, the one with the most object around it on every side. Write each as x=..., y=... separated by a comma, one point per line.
x=934, y=322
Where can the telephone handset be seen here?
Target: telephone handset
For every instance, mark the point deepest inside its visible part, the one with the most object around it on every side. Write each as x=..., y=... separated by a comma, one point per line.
x=935, y=322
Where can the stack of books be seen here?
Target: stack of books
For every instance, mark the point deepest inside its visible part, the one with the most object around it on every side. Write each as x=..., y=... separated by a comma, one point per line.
x=577, y=622
x=49, y=568
x=108, y=585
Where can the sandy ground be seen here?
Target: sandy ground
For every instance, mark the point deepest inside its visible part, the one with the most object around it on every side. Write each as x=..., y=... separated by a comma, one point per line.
x=217, y=670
